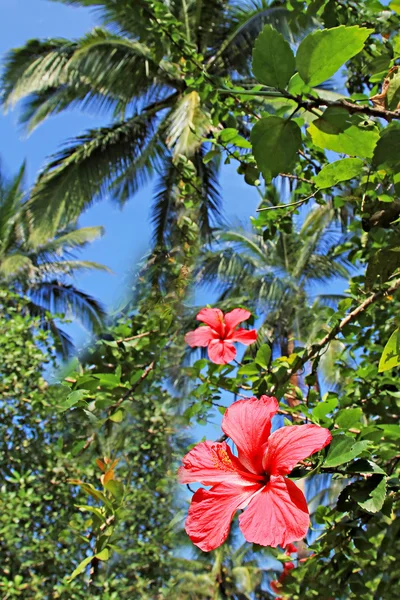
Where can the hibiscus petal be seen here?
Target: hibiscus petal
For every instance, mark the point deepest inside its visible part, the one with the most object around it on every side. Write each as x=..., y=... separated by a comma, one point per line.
x=211, y=512
x=288, y=445
x=236, y=316
x=248, y=424
x=244, y=336
x=211, y=463
x=200, y=337
x=277, y=515
x=214, y=317
x=221, y=352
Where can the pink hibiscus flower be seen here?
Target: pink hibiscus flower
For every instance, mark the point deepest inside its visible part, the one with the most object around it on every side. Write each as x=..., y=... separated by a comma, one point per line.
x=277, y=512
x=220, y=333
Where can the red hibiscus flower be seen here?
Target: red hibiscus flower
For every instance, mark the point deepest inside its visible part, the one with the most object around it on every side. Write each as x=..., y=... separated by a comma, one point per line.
x=220, y=333
x=277, y=512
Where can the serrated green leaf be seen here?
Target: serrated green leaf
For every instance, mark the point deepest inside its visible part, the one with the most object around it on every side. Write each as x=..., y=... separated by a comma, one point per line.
x=323, y=52
x=273, y=59
x=343, y=449
x=275, y=145
x=372, y=494
x=263, y=356
x=338, y=131
x=340, y=170
x=364, y=466
x=391, y=353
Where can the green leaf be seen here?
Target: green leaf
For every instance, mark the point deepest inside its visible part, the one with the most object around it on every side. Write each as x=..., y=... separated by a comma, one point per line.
x=73, y=398
x=108, y=379
x=364, y=466
x=249, y=369
x=275, y=145
x=393, y=91
x=391, y=353
x=116, y=488
x=372, y=494
x=263, y=356
x=273, y=59
x=324, y=408
x=92, y=509
x=396, y=43
x=381, y=265
x=210, y=155
x=387, y=151
x=340, y=170
x=338, y=131
x=323, y=52
x=118, y=416
x=395, y=6
x=232, y=136
x=390, y=431
x=81, y=567
x=349, y=417
x=343, y=449
x=103, y=555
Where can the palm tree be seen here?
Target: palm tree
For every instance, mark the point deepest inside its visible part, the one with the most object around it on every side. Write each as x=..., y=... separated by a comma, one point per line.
x=226, y=573
x=130, y=71
x=42, y=273
x=277, y=278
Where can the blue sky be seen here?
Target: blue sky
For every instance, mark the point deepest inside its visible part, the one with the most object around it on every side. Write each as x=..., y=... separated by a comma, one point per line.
x=128, y=230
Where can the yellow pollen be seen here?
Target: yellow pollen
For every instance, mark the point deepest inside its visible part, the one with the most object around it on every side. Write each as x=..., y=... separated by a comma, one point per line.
x=221, y=460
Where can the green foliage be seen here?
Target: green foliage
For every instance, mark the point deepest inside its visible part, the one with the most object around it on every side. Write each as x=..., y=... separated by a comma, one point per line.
x=338, y=171
x=338, y=131
x=273, y=59
x=95, y=515
x=391, y=353
x=323, y=52
x=275, y=144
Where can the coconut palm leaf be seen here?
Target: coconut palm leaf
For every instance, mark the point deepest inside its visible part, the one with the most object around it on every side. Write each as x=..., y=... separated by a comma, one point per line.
x=84, y=170
x=41, y=273
x=62, y=298
x=128, y=69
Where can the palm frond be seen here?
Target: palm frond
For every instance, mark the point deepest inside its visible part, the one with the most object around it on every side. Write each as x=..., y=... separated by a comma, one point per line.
x=37, y=66
x=72, y=240
x=11, y=197
x=67, y=267
x=16, y=265
x=210, y=195
x=164, y=209
x=82, y=172
x=187, y=126
x=61, y=298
